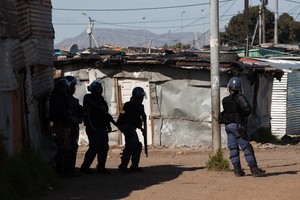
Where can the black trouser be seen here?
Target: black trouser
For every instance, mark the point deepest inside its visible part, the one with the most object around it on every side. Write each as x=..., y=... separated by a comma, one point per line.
x=98, y=145
x=74, y=143
x=62, y=140
x=133, y=149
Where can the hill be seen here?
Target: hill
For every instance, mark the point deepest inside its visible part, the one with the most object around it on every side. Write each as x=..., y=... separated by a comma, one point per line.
x=131, y=38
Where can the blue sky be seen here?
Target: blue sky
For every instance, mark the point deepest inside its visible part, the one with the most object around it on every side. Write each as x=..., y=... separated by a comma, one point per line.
x=158, y=16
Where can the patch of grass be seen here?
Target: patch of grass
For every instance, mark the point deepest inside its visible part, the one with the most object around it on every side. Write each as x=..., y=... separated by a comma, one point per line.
x=26, y=176
x=217, y=162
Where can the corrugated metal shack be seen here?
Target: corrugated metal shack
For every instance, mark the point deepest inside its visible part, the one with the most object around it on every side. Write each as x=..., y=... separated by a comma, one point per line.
x=285, y=105
x=178, y=90
x=26, y=46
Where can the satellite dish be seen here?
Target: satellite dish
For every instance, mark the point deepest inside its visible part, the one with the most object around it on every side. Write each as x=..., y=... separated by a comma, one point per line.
x=73, y=48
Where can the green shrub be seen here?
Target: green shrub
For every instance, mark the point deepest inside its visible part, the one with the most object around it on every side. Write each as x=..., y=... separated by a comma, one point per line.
x=26, y=175
x=217, y=162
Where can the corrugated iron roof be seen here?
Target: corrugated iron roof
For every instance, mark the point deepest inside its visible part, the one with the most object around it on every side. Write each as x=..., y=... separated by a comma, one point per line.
x=35, y=18
x=8, y=25
x=8, y=79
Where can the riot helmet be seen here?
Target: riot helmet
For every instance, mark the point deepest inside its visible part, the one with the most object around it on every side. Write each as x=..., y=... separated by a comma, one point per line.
x=235, y=84
x=138, y=92
x=72, y=80
x=94, y=85
x=60, y=83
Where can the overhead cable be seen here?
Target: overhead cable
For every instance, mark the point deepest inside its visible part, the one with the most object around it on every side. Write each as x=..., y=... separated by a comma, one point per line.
x=131, y=9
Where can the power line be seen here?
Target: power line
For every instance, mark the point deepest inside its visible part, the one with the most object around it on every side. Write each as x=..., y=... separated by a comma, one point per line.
x=139, y=22
x=131, y=9
x=293, y=1
x=228, y=9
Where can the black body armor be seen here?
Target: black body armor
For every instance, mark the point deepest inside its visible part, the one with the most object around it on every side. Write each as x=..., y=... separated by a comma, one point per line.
x=236, y=109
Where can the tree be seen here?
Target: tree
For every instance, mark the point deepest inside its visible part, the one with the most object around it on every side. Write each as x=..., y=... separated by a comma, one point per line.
x=288, y=29
x=177, y=46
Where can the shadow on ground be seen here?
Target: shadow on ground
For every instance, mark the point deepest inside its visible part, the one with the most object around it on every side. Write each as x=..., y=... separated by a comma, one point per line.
x=280, y=173
x=116, y=185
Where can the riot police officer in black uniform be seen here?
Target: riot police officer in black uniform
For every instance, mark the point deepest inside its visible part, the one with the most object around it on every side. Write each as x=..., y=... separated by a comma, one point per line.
x=78, y=114
x=134, y=117
x=234, y=116
x=61, y=116
x=97, y=121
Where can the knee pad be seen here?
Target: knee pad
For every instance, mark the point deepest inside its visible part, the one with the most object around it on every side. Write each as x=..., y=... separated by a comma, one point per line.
x=248, y=151
x=234, y=152
x=248, y=147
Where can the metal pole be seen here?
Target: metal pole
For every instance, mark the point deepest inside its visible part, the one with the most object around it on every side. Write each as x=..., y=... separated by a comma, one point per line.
x=203, y=30
x=89, y=29
x=260, y=25
x=90, y=32
x=276, y=23
x=263, y=24
x=144, y=18
x=246, y=22
x=215, y=77
x=169, y=39
x=181, y=30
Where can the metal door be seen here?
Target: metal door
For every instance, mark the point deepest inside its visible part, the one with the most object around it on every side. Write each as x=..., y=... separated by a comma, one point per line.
x=126, y=86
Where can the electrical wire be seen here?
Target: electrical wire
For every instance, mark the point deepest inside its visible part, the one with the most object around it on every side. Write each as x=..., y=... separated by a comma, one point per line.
x=293, y=1
x=132, y=9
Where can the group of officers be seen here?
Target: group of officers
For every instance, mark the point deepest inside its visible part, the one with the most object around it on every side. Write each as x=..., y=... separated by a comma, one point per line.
x=66, y=114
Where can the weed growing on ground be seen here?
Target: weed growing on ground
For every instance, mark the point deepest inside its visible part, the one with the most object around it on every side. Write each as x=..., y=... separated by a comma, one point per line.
x=217, y=162
x=26, y=176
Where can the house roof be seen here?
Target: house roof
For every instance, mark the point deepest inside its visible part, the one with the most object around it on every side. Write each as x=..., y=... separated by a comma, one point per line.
x=283, y=63
x=228, y=62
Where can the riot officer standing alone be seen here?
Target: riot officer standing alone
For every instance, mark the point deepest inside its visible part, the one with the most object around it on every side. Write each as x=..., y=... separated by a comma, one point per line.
x=134, y=117
x=234, y=116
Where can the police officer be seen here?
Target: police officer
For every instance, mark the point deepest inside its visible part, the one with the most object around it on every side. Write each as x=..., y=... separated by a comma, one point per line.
x=134, y=117
x=60, y=115
x=234, y=116
x=78, y=114
x=97, y=121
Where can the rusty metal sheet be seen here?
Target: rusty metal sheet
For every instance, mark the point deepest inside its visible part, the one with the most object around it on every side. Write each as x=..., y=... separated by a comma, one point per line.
x=38, y=51
x=35, y=18
x=8, y=81
x=8, y=25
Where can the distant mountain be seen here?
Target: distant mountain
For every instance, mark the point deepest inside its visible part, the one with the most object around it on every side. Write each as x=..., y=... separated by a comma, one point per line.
x=131, y=38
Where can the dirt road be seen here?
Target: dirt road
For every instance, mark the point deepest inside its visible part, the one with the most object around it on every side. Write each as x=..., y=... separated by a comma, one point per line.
x=180, y=173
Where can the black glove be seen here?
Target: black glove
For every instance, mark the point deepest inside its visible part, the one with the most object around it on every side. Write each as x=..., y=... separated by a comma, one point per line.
x=220, y=118
x=243, y=132
x=109, y=129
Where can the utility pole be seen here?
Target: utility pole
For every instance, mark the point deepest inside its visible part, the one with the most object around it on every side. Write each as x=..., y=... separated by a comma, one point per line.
x=89, y=30
x=260, y=27
x=144, y=18
x=181, y=30
x=263, y=24
x=246, y=27
x=214, y=74
x=276, y=23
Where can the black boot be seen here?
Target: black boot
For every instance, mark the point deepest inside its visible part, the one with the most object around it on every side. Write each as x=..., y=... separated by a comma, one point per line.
x=238, y=171
x=256, y=171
